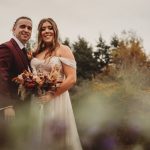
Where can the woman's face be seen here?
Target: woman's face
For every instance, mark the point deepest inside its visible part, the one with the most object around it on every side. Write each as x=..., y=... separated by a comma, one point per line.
x=47, y=32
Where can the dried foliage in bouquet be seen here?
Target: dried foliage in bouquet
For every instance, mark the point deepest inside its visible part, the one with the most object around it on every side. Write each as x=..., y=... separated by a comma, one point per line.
x=37, y=84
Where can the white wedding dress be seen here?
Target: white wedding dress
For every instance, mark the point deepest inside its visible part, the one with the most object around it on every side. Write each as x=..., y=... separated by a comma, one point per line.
x=56, y=122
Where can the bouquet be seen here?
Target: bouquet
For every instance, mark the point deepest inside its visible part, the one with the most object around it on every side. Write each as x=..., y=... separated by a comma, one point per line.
x=37, y=84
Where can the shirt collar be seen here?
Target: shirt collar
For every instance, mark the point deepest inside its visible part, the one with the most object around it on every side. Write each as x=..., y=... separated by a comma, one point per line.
x=21, y=46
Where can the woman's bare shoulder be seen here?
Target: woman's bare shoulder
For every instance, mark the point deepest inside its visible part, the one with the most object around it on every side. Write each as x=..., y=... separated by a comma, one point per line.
x=65, y=51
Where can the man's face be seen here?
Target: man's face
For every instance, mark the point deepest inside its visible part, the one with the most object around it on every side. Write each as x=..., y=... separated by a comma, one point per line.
x=22, y=30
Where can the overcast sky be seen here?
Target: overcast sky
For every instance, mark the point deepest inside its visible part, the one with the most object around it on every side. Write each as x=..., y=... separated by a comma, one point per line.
x=84, y=18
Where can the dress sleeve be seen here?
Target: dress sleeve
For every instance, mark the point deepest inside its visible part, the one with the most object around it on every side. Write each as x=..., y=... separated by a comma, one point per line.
x=69, y=62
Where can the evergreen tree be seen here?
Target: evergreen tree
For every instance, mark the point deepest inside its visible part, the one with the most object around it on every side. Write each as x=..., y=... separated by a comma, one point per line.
x=114, y=41
x=86, y=64
x=67, y=42
x=102, y=54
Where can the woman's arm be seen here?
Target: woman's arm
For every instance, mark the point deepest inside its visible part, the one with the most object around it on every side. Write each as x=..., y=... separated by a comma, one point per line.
x=70, y=72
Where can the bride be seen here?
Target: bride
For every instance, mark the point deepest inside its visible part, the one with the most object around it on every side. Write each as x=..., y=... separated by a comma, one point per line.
x=56, y=123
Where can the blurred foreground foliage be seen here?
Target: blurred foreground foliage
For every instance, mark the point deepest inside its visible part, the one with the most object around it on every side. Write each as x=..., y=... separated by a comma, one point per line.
x=112, y=108
x=112, y=111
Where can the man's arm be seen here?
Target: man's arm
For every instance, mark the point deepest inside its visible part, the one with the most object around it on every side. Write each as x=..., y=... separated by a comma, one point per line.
x=5, y=64
x=6, y=103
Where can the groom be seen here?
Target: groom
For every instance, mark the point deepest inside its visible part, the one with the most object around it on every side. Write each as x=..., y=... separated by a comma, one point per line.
x=13, y=61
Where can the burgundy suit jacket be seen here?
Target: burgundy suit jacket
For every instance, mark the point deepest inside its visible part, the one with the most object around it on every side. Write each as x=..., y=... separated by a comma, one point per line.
x=12, y=62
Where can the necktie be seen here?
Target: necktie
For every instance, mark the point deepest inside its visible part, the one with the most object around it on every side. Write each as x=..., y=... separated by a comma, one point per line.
x=24, y=51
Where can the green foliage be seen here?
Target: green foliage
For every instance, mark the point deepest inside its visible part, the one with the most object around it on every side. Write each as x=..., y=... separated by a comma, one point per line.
x=102, y=54
x=67, y=42
x=115, y=41
x=86, y=67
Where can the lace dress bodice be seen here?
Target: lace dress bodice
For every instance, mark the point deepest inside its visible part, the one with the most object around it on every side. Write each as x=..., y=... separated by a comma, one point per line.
x=45, y=66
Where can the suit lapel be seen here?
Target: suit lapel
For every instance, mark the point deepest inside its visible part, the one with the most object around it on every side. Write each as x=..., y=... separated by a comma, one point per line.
x=20, y=59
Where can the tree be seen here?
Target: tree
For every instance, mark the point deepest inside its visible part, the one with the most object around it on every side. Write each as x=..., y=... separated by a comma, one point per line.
x=86, y=64
x=67, y=42
x=115, y=41
x=127, y=50
x=102, y=54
